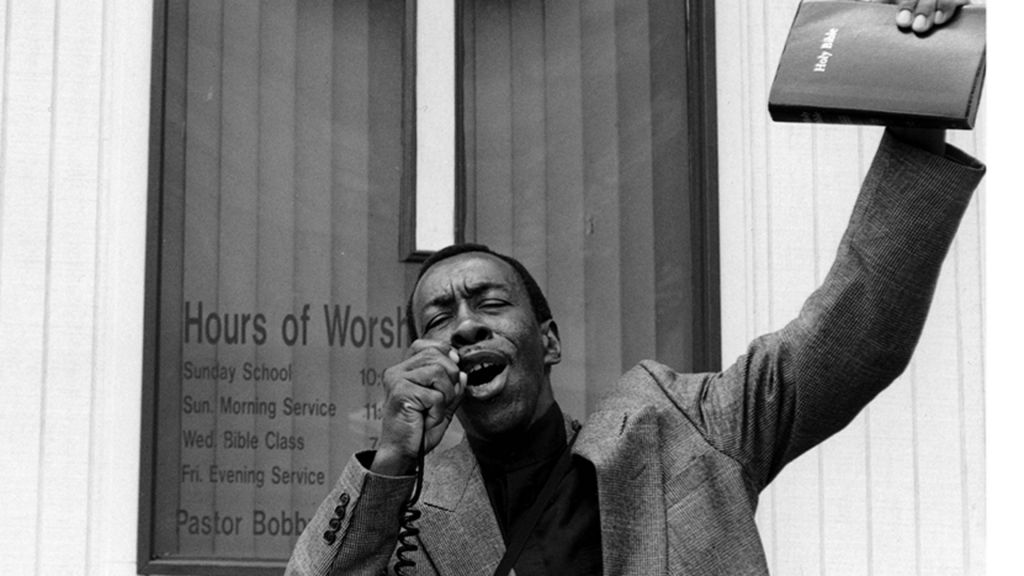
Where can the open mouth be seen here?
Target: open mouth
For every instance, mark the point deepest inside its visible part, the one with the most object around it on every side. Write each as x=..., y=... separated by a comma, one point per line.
x=483, y=368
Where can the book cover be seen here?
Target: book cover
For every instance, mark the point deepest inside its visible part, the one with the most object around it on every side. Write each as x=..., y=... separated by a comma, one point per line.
x=846, y=62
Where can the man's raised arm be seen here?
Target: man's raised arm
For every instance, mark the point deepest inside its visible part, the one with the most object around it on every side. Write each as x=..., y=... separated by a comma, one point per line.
x=857, y=332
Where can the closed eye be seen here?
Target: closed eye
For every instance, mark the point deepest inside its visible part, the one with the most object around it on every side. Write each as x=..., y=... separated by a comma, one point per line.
x=435, y=321
x=491, y=303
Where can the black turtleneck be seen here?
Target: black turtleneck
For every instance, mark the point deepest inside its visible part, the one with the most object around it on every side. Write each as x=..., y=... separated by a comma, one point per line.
x=567, y=538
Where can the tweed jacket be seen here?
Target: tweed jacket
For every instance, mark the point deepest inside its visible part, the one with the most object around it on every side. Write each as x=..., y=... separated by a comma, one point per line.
x=681, y=458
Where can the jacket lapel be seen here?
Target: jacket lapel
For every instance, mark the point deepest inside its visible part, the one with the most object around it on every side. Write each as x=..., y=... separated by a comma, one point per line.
x=622, y=443
x=456, y=509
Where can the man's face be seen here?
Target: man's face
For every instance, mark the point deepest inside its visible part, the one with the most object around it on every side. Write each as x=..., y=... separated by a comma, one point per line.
x=476, y=303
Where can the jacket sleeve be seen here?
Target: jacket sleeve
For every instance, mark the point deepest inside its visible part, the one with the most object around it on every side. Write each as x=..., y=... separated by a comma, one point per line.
x=355, y=529
x=856, y=333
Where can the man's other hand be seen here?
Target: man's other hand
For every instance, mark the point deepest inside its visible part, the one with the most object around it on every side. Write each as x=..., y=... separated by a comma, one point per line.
x=922, y=15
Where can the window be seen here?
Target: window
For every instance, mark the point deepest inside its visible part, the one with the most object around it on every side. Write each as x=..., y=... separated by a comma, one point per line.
x=276, y=283
x=589, y=139
x=289, y=182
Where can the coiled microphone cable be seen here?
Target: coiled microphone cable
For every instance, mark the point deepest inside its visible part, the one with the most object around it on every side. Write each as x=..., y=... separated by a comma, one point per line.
x=406, y=531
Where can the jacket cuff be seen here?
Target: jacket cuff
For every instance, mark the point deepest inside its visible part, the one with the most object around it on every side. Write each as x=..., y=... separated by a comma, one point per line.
x=954, y=173
x=376, y=498
x=358, y=518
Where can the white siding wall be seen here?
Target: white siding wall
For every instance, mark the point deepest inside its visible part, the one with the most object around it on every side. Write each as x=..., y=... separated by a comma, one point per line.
x=74, y=90
x=901, y=490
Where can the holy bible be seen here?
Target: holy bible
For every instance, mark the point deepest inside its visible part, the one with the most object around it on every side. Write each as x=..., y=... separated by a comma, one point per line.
x=846, y=62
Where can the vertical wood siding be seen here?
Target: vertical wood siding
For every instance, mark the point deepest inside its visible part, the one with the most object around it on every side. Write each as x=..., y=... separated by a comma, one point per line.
x=74, y=91
x=900, y=490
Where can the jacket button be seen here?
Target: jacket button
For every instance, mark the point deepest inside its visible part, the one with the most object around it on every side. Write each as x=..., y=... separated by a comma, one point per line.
x=344, y=499
x=335, y=524
x=340, y=510
x=330, y=537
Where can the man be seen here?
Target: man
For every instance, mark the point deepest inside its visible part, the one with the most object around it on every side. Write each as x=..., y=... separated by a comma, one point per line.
x=664, y=476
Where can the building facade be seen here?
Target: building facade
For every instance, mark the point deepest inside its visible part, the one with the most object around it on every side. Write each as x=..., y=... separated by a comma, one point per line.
x=901, y=490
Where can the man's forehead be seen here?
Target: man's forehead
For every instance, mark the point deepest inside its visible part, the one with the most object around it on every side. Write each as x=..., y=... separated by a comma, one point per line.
x=468, y=271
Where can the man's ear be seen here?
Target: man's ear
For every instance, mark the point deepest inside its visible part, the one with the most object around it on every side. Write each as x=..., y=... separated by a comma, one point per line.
x=552, y=344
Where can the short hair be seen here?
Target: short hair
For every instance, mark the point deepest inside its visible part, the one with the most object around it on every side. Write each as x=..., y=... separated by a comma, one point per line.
x=538, y=302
